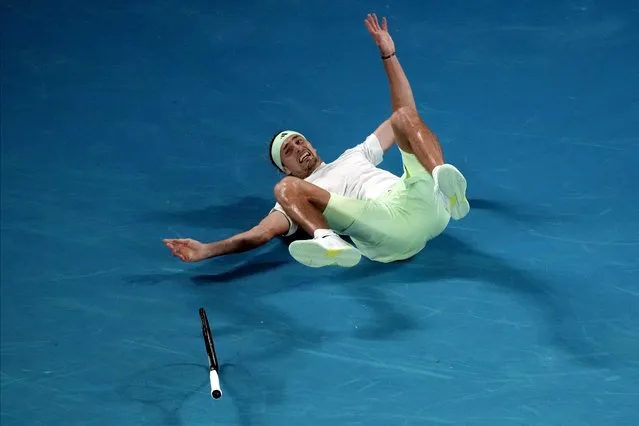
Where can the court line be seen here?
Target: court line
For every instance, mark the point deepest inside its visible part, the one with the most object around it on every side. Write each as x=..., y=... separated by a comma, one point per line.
x=375, y=364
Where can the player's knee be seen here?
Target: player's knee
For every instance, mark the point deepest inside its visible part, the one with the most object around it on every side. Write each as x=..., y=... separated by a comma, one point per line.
x=287, y=188
x=404, y=116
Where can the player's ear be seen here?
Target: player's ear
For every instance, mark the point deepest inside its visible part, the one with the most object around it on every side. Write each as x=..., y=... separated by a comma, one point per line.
x=286, y=171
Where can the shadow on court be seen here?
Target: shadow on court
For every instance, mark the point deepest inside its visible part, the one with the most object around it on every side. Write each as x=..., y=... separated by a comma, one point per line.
x=161, y=388
x=235, y=294
x=521, y=214
x=447, y=258
x=450, y=258
x=248, y=379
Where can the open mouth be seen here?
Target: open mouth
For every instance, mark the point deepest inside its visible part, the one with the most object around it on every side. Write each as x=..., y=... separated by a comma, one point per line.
x=305, y=156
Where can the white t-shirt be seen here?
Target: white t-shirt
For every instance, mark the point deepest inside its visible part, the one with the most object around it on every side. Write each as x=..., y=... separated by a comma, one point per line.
x=353, y=174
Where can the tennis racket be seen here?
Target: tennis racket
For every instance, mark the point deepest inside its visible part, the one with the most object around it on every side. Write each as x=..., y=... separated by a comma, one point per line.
x=216, y=392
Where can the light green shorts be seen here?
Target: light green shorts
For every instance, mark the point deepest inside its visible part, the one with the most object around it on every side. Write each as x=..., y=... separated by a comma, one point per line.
x=396, y=225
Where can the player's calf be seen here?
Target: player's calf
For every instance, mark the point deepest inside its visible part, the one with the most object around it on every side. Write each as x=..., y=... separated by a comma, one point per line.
x=449, y=181
x=305, y=204
x=413, y=134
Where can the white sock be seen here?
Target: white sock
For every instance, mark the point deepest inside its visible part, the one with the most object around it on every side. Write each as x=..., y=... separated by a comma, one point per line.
x=321, y=233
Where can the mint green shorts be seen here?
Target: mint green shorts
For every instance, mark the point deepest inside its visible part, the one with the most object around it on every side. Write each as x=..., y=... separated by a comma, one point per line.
x=396, y=225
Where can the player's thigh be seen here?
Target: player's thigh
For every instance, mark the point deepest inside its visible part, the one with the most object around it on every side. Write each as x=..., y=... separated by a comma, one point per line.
x=426, y=213
x=291, y=188
x=343, y=213
x=413, y=169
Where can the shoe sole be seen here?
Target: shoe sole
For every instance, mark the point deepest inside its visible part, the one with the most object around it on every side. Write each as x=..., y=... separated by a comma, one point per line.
x=452, y=185
x=310, y=253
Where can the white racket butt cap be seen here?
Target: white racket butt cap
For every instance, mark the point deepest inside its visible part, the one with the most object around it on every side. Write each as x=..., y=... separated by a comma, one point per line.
x=216, y=391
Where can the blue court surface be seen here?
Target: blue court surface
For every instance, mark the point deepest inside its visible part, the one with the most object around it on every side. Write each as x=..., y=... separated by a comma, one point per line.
x=126, y=122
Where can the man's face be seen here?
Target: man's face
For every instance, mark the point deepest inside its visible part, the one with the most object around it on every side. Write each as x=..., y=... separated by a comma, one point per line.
x=298, y=157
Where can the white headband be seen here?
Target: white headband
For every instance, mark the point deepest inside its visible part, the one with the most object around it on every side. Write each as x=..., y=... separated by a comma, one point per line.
x=276, y=148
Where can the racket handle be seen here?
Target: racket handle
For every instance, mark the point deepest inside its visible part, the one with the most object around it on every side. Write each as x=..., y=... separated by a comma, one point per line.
x=216, y=392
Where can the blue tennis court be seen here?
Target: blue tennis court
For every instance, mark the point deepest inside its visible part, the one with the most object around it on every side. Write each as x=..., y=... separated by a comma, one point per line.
x=126, y=122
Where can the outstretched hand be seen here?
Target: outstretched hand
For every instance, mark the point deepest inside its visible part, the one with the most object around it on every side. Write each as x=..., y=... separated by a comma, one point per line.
x=380, y=34
x=186, y=249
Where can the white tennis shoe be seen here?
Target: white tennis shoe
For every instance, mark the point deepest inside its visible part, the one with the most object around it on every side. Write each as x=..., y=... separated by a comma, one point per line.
x=451, y=184
x=325, y=250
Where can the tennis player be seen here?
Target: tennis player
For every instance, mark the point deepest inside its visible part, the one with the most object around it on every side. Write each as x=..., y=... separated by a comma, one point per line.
x=388, y=218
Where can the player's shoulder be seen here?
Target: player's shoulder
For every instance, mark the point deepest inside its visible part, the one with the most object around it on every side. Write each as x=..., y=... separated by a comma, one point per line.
x=367, y=149
x=368, y=143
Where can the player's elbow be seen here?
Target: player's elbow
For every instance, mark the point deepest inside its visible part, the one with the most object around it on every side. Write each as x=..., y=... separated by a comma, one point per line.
x=273, y=226
x=260, y=235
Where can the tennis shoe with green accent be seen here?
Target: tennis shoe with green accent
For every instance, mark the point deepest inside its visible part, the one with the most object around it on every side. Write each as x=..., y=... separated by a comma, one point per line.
x=329, y=250
x=451, y=184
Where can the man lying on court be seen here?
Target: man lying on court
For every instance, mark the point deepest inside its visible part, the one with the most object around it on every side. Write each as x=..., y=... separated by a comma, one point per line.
x=388, y=218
